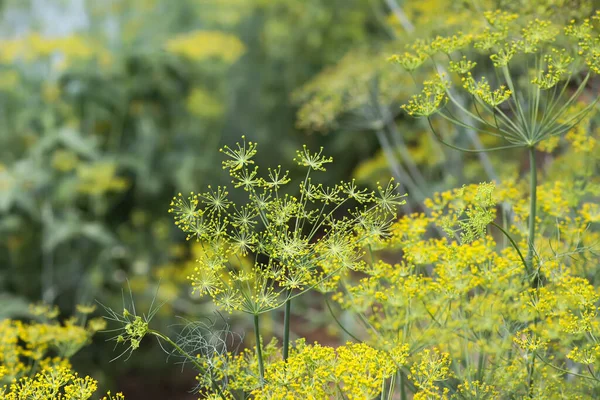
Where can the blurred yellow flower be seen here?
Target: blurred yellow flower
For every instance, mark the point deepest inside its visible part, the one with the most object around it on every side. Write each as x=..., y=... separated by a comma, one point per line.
x=34, y=47
x=99, y=178
x=202, y=104
x=64, y=160
x=201, y=45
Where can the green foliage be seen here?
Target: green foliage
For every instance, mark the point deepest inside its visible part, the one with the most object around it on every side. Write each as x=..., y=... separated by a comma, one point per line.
x=466, y=291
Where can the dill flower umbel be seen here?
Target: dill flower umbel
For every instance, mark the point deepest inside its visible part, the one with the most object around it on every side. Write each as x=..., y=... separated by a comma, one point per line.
x=557, y=52
x=305, y=244
x=430, y=100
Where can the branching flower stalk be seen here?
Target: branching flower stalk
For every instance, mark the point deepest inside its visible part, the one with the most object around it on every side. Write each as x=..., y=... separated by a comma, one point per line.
x=258, y=256
x=515, y=114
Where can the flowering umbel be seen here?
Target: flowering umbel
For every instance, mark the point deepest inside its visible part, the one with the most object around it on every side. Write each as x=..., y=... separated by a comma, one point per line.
x=278, y=242
x=519, y=113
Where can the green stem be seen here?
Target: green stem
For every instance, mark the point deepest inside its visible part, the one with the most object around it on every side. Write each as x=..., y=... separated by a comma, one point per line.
x=532, y=207
x=392, y=388
x=565, y=371
x=259, y=356
x=480, y=365
x=515, y=98
x=439, y=137
x=342, y=327
x=341, y=391
x=513, y=243
x=531, y=372
x=286, y=326
x=403, y=395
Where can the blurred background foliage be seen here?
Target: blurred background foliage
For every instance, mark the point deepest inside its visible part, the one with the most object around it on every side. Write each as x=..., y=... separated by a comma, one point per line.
x=108, y=108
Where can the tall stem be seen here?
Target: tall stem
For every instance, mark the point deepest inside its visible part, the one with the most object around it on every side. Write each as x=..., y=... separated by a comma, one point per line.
x=532, y=211
x=259, y=356
x=403, y=395
x=286, y=326
x=531, y=372
x=532, y=207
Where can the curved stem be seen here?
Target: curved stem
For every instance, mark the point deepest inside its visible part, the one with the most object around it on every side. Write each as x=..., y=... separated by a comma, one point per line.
x=513, y=243
x=553, y=101
x=437, y=135
x=450, y=117
x=259, y=355
x=559, y=129
x=461, y=107
x=555, y=116
x=565, y=371
x=342, y=327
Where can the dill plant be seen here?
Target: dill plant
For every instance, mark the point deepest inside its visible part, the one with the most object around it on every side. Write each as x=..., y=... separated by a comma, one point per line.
x=460, y=304
x=453, y=318
x=293, y=243
x=258, y=256
x=528, y=82
x=557, y=62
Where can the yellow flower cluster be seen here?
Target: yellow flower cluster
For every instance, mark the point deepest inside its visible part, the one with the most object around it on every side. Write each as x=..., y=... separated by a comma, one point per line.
x=20, y=341
x=586, y=33
x=354, y=371
x=27, y=368
x=477, y=390
x=483, y=90
x=432, y=367
x=472, y=297
x=559, y=51
x=557, y=63
x=429, y=101
x=409, y=61
x=590, y=212
x=529, y=342
x=54, y=380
